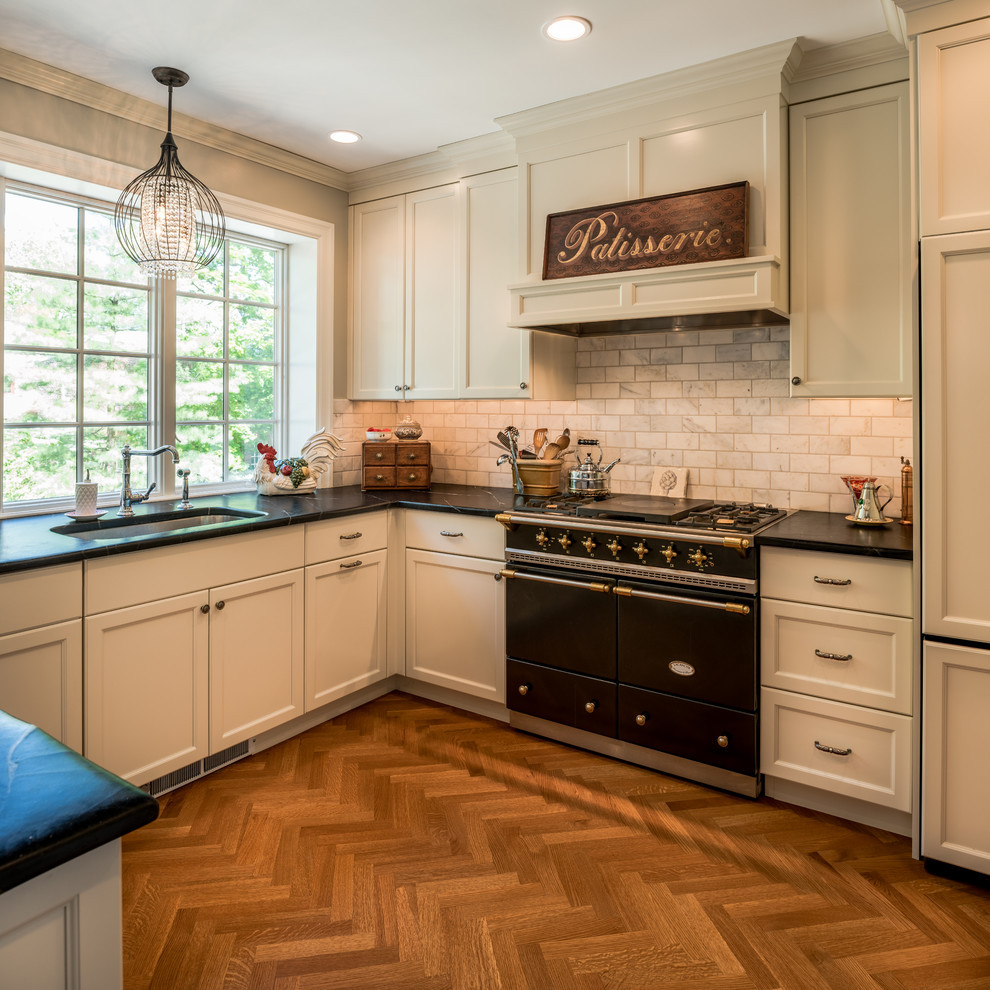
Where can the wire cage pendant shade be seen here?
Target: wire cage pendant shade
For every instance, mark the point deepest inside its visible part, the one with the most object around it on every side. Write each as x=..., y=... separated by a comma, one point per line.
x=166, y=219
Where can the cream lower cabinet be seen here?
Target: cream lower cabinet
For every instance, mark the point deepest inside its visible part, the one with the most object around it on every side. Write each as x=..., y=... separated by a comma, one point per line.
x=836, y=661
x=208, y=664
x=346, y=588
x=147, y=687
x=955, y=805
x=455, y=603
x=173, y=681
x=41, y=650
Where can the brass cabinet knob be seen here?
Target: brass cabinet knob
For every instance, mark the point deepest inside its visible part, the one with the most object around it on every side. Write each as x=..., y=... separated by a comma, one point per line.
x=723, y=741
x=642, y=718
x=591, y=707
x=412, y=477
x=412, y=455
x=524, y=689
x=379, y=456
x=379, y=477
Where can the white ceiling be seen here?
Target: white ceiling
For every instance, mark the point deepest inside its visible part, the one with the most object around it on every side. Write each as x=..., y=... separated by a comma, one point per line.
x=409, y=76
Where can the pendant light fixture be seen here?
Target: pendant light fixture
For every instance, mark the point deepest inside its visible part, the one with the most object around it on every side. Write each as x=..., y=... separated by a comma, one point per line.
x=166, y=219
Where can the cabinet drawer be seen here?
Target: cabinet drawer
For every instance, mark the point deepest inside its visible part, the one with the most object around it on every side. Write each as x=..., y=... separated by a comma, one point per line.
x=866, y=584
x=412, y=476
x=378, y=477
x=872, y=750
x=378, y=454
x=560, y=696
x=40, y=597
x=409, y=452
x=344, y=537
x=857, y=657
x=454, y=532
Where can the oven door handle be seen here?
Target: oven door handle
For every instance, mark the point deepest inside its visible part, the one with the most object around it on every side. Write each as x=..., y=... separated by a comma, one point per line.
x=508, y=572
x=735, y=607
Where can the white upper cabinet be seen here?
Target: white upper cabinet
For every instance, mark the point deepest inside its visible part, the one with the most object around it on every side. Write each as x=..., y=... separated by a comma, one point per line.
x=405, y=296
x=852, y=247
x=954, y=106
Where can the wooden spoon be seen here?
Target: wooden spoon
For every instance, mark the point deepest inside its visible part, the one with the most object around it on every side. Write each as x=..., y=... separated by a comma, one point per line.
x=551, y=451
x=563, y=441
x=539, y=439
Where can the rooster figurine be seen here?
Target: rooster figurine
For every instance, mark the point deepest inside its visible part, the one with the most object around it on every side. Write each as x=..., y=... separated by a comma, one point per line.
x=296, y=475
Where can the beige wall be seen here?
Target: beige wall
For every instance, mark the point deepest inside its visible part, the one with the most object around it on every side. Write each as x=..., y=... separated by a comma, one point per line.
x=715, y=403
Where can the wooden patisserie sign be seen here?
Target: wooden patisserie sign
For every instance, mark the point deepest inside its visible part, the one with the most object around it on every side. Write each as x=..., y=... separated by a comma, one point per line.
x=677, y=229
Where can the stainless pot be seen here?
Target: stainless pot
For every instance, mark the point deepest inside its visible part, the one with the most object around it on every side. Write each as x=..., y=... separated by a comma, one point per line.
x=589, y=477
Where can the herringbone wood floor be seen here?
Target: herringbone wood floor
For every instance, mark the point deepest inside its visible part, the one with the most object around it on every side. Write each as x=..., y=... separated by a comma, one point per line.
x=411, y=845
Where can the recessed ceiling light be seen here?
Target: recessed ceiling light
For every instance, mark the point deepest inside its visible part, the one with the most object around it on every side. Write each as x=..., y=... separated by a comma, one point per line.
x=345, y=137
x=568, y=28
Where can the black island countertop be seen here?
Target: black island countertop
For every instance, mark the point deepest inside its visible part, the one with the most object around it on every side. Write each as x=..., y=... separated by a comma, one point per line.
x=28, y=542
x=55, y=805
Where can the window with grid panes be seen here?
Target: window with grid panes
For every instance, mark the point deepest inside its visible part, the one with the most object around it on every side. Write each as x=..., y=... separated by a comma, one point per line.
x=94, y=357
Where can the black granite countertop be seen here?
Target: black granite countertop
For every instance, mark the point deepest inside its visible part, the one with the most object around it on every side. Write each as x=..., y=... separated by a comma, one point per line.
x=834, y=533
x=55, y=805
x=28, y=541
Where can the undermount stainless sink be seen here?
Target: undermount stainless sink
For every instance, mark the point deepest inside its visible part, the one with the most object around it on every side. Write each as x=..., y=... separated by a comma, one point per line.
x=160, y=524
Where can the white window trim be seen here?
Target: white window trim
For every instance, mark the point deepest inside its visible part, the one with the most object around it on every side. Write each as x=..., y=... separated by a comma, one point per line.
x=313, y=257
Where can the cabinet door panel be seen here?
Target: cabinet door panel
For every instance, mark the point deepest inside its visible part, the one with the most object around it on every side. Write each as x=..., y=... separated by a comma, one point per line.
x=146, y=684
x=434, y=287
x=852, y=257
x=955, y=804
x=955, y=356
x=345, y=626
x=256, y=657
x=377, y=297
x=455, y=629
x=41, y=679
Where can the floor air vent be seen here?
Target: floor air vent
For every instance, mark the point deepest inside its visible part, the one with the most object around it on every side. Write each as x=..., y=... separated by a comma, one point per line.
x=200, y=768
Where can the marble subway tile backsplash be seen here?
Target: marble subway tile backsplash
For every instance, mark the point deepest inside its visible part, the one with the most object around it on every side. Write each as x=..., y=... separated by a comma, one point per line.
x=714, y=403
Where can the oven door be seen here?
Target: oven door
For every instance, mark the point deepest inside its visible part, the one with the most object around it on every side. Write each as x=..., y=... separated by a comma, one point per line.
x=560, y=620
x=698, y=645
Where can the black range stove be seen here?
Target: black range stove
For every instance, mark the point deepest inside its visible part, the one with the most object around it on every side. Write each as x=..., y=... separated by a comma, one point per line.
x=684, y=513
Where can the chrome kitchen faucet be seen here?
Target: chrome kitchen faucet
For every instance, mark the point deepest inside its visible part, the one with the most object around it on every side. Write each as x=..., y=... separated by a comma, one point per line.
x=127, y=497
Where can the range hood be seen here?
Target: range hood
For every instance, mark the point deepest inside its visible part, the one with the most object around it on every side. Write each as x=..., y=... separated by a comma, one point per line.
x=737, y=293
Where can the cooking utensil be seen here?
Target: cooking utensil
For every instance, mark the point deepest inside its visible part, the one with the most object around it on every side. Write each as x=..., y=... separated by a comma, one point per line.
x=539, y=439
x=505, y=446
x=590, y=478
x=551, y=451
x=563, y=441
x=512, y=434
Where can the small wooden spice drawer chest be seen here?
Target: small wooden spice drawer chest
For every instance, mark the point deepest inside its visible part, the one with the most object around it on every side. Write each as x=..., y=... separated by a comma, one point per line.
x=395, y=464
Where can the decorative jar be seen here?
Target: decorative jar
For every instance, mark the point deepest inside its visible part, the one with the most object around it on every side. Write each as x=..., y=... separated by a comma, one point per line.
x=407, y=429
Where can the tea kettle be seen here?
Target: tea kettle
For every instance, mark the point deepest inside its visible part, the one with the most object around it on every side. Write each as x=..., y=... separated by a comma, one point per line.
x=869, y=511
x=589, y=477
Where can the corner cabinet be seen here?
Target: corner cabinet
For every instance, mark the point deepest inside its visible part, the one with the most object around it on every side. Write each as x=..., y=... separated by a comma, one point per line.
x=852, y=245
x=429, y=299
x=405, y=296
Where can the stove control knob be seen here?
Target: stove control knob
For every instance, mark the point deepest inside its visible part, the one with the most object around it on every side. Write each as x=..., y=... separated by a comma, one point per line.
x=700, y=559
x=669, y=553
x=615, y=546
x=642, y=718
x=542, y=538
x=723, y=741
x=641, y=550
x=589, y=544
x=524, y=689
x=565, y=541
x=591, y=707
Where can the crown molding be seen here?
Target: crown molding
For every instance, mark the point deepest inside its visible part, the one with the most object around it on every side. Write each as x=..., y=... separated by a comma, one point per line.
x=77, y=89
x=724, y=73
x=863, y=53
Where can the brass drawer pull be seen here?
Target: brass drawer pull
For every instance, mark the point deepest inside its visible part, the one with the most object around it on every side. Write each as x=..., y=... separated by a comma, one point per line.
x=352, y=536
x=507, y=572
x=833, y=656
x=642, y=718
x=626, y=592
x=591, y=707
x=524, y=689
x=353, y=563
x=831, y=749
x=841, y=582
